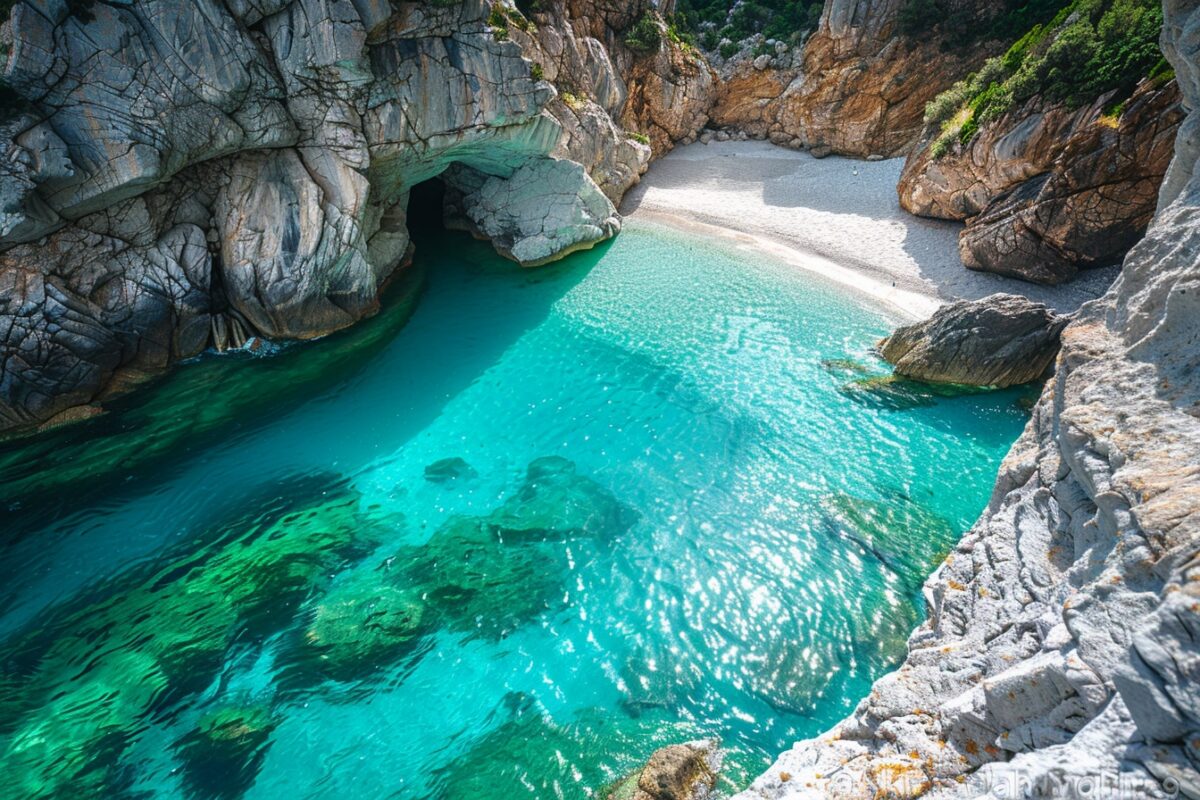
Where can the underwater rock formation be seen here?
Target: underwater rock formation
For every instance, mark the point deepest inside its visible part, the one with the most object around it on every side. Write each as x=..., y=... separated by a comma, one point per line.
x=1060, y=651
x=222, y=755
x=1001, y=340
x=179, y=176
x=81, y=684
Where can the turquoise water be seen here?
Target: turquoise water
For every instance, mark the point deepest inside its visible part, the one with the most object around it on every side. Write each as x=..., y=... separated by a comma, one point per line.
x=669, y=498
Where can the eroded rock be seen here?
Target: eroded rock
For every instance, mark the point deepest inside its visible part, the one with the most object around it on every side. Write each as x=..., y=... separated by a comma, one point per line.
x=1001, y=340
x=1046, y=190
x=676, y=772
x=1059, y=649
x=187, y=175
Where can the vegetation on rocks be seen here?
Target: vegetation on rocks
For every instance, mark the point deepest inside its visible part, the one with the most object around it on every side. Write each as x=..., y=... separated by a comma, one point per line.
x=1088, y=49
x=716, y=21
x=646, y=34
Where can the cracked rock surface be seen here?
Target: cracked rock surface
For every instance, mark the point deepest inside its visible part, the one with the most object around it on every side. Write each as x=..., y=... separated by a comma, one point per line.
x=1046, y=191
x=1060, y=656
x=1001, y=340
x=186, y=175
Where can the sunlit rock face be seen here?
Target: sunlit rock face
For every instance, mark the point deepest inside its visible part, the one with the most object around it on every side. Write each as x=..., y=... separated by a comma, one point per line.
x=179, y=176
x=1001, y=340
x=1047, y=190
x=1060, y=654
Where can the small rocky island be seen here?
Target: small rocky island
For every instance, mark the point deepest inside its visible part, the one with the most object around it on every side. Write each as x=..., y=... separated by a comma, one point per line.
x=181, y=179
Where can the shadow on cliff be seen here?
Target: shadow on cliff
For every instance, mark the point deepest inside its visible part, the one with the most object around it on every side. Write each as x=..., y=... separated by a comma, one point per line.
x=157, y=433
x=842, y=209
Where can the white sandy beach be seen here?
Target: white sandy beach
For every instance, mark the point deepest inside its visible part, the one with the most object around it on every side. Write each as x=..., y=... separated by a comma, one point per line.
x=836, y=216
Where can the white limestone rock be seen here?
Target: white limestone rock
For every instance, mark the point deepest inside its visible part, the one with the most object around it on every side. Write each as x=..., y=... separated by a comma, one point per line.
x=545, y=208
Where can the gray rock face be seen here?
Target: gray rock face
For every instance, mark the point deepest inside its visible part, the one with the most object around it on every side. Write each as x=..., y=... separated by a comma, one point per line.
x=1060, y=656
x=187, y=175
x=1001, y=340
x=512, y=211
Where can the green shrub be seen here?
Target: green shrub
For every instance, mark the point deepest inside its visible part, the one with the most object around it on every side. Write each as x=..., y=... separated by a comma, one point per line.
x=714, y=20
x=729, y=50
x=1088, y=49
x=638, y=137
x=536, y=72
x=645, y=36
x=498, y=21
x=919, y=16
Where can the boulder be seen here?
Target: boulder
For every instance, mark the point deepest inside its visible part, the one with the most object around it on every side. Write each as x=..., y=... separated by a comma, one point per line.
x=678, y=772
x=1001, y=340
x=511, y=210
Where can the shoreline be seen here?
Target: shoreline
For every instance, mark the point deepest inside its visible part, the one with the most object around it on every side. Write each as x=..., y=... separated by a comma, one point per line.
x=912, y=305
x=835, y=217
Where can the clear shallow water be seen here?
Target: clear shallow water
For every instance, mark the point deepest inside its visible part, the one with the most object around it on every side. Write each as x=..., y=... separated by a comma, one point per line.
x=685, y=510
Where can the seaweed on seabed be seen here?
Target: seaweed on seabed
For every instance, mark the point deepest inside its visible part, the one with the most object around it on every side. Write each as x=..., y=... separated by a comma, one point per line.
x=116, y=656
x=907, y=538
x=895, y=393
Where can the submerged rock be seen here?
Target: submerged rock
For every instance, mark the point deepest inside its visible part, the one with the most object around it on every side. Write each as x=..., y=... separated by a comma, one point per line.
x=1002, y=340
x=476, y=583
x=87, y=679
x=362, y=625
x=224, y=752
x=449, y=469
x=555, y=502
x=907, y=539
x=897, y=393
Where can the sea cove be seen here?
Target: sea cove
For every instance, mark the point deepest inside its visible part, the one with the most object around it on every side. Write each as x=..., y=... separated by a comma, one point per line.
x=660, y=491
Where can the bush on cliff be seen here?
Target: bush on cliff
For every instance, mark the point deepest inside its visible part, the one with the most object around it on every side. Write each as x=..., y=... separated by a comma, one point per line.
x=714, y=20
x=1089, y=49
x=645, y=36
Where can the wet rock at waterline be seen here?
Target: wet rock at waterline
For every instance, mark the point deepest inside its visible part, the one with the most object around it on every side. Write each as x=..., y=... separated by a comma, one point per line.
x=897, y=393
x=677, y=772
x=1001, y=340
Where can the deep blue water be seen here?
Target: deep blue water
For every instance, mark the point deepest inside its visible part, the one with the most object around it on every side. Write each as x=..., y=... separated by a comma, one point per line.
x=753, y=520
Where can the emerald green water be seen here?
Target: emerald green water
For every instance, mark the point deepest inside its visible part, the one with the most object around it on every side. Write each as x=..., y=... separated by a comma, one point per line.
x=683, y=509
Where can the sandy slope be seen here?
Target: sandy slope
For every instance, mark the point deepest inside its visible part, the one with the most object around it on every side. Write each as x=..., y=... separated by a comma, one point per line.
x=837, y=216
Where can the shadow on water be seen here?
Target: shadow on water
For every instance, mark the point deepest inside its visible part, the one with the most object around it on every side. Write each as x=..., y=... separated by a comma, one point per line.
x=154, y=434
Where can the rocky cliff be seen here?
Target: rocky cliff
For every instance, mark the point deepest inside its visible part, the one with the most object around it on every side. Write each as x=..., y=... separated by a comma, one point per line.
x=862, y=81
x=1060, y=655
x=178, y=176
x=1051, y=173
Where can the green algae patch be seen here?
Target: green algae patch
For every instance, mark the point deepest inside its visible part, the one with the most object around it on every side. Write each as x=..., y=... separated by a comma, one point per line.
x=894, y=393
x=99, y=671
